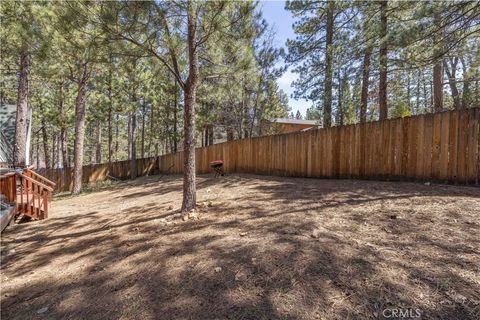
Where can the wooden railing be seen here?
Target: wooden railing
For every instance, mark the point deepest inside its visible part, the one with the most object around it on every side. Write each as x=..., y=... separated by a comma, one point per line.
x=7, y=186
x=32, y=174
x=33, y=196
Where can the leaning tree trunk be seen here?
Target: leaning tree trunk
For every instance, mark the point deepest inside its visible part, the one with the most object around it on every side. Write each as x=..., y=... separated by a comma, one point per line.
x=327, y=103
x=20, y=143
x=79, y=133
x=382, y=98
x=452, y=81
x=189, y=185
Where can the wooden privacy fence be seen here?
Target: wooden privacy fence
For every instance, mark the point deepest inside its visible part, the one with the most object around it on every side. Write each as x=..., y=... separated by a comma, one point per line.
x=99, y=172
x=442, y=147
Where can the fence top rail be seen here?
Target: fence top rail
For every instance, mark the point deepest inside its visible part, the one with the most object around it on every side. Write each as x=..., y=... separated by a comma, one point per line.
x=324, y=129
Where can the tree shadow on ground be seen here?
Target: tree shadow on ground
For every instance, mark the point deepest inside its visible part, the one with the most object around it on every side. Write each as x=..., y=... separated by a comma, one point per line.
x=266, y=248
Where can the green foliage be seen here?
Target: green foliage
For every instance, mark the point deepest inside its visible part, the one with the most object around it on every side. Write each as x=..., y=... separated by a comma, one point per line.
x=419, y=33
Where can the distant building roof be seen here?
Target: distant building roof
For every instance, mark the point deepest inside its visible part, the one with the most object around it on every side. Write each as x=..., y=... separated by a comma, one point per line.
x=295, y=121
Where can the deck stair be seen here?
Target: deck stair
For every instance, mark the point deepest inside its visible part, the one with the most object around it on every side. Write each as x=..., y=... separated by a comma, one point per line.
x=28, y=192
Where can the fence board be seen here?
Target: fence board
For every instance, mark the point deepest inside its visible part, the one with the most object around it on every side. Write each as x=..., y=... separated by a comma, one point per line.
x=443, y=146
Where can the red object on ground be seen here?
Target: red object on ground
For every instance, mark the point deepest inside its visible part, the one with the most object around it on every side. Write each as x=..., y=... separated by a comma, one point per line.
x=216, y=163
x=217, y=167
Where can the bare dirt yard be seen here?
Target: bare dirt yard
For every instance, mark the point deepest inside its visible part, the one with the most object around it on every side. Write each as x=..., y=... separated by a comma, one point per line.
x=261, y=248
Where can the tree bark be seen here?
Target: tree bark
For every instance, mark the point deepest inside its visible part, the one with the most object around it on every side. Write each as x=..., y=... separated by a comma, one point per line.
x=152, y=128
x=382, y=99
x=98, y=141
x=452, y=81
x=437, y=86
x=110, y=139
x=230, y=136
x=133, y=146
x=327, y=103
x=63, y=130
x=437, y=75
x=210, y=135
x=110, y=112
x=175, y=120
x=54, y=150
x=340, y=111
x=466, y=93
x=365, y=79
x=117, y=130
x=79, y=131
x=20, y=144
x=129, y=138
x=63, y=137
x=46, y=154
x=417, y=106
x=189, y=184
x=37, y=151
x=142, y=147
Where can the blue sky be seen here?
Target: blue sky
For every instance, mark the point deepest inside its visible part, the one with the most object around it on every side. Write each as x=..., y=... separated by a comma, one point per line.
x=281, y=20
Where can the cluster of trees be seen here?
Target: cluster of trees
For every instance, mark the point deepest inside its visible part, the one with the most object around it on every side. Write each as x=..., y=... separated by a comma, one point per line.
x=366, y=60
x=119, y=80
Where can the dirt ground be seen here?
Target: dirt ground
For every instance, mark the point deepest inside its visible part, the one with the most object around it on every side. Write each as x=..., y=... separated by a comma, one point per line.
x=262, y=248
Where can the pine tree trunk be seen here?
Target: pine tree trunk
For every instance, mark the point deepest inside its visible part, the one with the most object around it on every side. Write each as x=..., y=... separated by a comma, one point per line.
x=230, y=136
x=152, y=128
x=117, y=129
x=46, y=154
x=340, y=111
x=133, y=146
x=437, y=74
x=63, y=131
x=110, y=111
x=365, y=79
x=204, y=137
x=382, y=99
x=327, y=104
x=110, y=139
x=189, y=184
x=210, y=135
x=79, y=132
x=417, y=105
x=37, y=151
x=409, y=94
x=142, y=150
x=20, y=143
x=437, y=86
x=63, y=137
x=54, y=150
x=98, y=141
x=466, y=93
x=452, y=81
x=175, y=120
x=129, y=132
